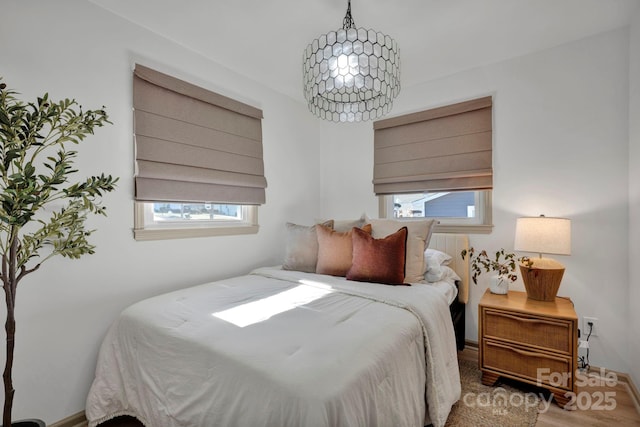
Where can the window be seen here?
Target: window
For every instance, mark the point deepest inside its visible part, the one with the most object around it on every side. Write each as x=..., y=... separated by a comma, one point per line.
x=195, y=213
x=199, y=166
x=437, y=163
x=182, y=220
x=456, y=211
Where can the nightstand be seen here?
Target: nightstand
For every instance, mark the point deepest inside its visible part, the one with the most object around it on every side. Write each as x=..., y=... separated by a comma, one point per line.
x=535, y=342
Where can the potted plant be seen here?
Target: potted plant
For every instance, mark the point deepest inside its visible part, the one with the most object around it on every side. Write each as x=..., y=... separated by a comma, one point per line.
x=503, y=264
x=35, y=168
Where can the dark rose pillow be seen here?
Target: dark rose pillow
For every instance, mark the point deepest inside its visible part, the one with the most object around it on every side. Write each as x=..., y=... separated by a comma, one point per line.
x=378, y=260
x=335, y=250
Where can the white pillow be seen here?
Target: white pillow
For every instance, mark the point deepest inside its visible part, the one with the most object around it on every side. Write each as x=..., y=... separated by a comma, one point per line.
x=440, y=273
x=434, y=272
x=417, y=241
x=436, y=257
x=449, y=275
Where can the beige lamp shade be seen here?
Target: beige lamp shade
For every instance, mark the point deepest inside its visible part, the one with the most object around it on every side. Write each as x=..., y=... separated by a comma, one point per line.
x=543, y=235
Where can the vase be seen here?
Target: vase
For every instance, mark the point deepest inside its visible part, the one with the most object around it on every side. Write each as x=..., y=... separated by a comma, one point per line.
x=499, y=284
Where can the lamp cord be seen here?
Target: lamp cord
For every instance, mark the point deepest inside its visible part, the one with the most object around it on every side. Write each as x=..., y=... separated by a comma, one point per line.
x=348, y=22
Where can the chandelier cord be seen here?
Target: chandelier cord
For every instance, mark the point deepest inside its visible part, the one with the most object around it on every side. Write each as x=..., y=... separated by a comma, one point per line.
x=348, y=22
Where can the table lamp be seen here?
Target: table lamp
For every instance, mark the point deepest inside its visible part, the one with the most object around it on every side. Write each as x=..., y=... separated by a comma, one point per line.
x=543, y=235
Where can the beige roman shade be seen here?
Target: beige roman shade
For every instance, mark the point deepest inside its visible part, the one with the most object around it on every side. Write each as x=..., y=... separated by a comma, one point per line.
x=194, y=145
x=443, y=149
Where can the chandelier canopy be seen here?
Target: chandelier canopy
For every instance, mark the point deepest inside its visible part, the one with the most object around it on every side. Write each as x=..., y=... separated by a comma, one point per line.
x=350, y=74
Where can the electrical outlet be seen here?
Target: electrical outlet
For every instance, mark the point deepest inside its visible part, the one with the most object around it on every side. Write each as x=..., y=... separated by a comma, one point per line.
x=585, y=326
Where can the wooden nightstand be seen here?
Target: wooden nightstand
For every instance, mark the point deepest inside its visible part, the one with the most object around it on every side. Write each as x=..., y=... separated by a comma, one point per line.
x=531, y=341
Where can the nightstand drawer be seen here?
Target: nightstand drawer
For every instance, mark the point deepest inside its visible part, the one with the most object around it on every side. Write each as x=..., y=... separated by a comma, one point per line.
x=543, y=332
x=524, y=363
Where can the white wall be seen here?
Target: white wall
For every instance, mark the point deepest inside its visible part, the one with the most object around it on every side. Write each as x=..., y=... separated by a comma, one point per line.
x=347, y=170
x=561, y=146
x=560, y=119
x=634, y=197
x=74, y=49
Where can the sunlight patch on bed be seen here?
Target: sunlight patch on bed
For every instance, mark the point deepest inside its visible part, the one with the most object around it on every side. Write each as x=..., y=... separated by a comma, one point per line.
x=315, y=283
x=263, y=309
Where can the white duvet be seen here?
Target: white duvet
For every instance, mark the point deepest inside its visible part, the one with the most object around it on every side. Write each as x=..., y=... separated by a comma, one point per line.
x=280, y=348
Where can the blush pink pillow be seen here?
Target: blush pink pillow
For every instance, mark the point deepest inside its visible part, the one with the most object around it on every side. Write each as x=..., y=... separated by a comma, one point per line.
x=335, y=250
x=378, y=260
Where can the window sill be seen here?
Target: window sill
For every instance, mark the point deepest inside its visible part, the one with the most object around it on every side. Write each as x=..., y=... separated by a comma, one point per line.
x=188, y=233
x=464, y=229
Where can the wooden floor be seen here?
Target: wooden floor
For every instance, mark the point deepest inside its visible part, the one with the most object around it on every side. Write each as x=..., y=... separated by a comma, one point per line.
x=624, y=414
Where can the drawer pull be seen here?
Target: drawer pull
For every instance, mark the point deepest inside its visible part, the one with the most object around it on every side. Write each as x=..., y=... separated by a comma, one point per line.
x=529, y=353
x=521, y=319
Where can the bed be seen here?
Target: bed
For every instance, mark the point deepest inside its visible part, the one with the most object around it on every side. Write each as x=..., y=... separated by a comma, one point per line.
x=453, y=244
x=287, y=348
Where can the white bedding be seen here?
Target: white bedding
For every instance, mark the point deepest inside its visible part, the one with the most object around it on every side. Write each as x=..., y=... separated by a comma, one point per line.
x=447, y=286
x=280, y=348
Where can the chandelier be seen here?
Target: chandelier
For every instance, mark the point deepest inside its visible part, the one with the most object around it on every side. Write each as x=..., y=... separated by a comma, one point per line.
x=350, y=74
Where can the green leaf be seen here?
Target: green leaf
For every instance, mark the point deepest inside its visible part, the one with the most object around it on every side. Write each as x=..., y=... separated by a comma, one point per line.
x=32, y=177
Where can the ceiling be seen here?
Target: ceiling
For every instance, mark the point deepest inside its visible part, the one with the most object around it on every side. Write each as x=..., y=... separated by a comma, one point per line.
x=264, y=39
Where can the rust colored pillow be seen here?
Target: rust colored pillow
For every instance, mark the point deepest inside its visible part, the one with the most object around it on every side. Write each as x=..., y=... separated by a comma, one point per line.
x=335, y=250
x=379, y=260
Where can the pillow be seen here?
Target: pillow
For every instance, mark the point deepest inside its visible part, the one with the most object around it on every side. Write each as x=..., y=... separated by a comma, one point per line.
x=335, y=250
x=450, y=275
x=434, y=272
x=434, y=259
x=344, y=225
x=437, y=256
x=444, y=273
x=301, y=248
x=378, y=260
x=419, y=234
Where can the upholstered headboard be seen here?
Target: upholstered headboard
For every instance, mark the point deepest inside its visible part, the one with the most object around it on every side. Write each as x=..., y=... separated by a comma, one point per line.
x=453, y=244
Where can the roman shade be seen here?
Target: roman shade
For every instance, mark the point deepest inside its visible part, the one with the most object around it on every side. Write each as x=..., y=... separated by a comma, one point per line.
x=442, y=149
x=194, y=145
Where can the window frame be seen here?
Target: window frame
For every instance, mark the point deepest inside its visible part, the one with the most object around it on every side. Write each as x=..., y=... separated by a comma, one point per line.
x=482, y=224
x=149, y=230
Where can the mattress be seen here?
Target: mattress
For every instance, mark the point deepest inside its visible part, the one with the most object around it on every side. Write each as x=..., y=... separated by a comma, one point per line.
x=280, y=348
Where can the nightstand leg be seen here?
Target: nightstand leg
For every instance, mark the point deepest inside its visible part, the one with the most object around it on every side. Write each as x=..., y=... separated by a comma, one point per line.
x=489, y=378
x=562, y=401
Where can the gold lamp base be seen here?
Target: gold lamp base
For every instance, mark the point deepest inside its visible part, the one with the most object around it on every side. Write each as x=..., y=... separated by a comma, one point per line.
x=542, y=279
